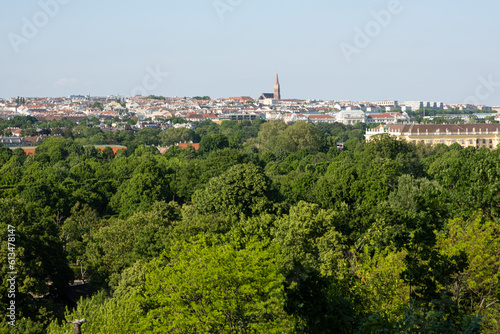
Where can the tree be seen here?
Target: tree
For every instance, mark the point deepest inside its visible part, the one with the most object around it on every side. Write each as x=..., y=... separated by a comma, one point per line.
x=315, y=269
x=214, y=142
x=112, y=248
x=300, y=136
x=149, y=183
x=77, y=227
x=301, y=234
x=384, y=292
x=105, y=315
x=97, y=105
x=478, y=286
x=178, y=135
x=29, y=132
x=200, y=286
x=47, y=187
x=471, y=181
x=243, y=189
x=39, y=261
x=107, y=153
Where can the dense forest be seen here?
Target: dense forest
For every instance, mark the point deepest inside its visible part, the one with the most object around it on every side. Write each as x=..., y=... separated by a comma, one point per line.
x=267, y=228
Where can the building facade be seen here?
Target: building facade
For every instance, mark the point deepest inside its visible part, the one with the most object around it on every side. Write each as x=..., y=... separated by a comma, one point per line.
x=12, y=141
x=466, y=135
x=350, y=117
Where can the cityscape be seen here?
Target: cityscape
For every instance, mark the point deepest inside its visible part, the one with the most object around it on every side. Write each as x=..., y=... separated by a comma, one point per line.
x=156, y=111
x=232, y=166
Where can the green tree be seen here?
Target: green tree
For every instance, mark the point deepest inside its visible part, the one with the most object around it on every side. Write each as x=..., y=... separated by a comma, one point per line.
x=199, y=286
x=77, y=227
x=178, y=135
x=97, y=105
x=301, y=136
x=40, y=263
x=118, y=245
x=104, y=314
x=477, y=289
x=214, y=142
x=315, y=269
x=107, y=153
x=471, y=181
x=243, y=189
x=149, y=183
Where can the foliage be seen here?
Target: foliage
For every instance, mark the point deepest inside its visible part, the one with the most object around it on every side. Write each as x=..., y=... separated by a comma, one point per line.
x=38, y=259
x=243, y=189
x=214, y=142
x=104, y=315
x=199, y=286
x=382, y=236
x=478, y=287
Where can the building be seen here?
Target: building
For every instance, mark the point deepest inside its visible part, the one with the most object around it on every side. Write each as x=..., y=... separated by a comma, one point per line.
x=266, y=96
x=413, y=105
x=240, y=117
x=466, y=135
x=241, y=99
x=321, y=119
x=12, y=141
x=388, y=118
x=350, y=117
x=273, y=96
x=294, y=117
x=419, y=105
x=388, y=104
x=277, y=89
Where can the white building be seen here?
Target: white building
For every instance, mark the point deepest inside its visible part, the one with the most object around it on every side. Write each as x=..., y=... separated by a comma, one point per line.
x=387, y=103
x=418, y=105
x=292, y=118
x=350, y=117
x=321, y=119
x=388, y=118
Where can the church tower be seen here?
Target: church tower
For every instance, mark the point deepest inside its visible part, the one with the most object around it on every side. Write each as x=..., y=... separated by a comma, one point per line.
x=277, y=91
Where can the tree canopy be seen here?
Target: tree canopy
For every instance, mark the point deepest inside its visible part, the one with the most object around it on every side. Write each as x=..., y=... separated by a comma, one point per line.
x=268, y=227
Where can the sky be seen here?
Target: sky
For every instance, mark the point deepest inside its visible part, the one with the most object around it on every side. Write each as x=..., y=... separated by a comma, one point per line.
x=360, y=50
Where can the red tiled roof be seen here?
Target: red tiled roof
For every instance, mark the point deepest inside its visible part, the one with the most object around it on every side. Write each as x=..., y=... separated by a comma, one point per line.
x=196, y=146
x=29, y=151
x=242, y=98
x=33, y=139
x=381, y=116
x=114, y=148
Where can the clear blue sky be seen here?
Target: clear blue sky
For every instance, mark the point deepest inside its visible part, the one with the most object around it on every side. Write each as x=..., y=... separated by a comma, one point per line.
x=429, y=50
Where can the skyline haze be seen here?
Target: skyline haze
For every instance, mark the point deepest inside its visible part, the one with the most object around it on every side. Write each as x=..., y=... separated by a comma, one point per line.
x=365, y=51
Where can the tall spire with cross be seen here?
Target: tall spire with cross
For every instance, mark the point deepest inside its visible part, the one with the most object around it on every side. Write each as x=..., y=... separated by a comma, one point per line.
x=277, y=91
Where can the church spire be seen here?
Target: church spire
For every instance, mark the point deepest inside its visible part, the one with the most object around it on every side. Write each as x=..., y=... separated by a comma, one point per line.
x=277, y=90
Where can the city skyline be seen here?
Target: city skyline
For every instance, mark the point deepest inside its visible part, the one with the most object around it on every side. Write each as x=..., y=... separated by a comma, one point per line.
x=368, y=51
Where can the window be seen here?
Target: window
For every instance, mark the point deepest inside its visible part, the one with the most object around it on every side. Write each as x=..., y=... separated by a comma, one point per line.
x=442, y=141
x=463, y=142
x=484, y=141
x=431, y=141
x=491, y=141
x=454, y=141
x=470, y=141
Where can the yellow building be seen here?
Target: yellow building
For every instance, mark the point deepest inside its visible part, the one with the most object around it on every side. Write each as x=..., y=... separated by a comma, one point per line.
x=475, y=135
